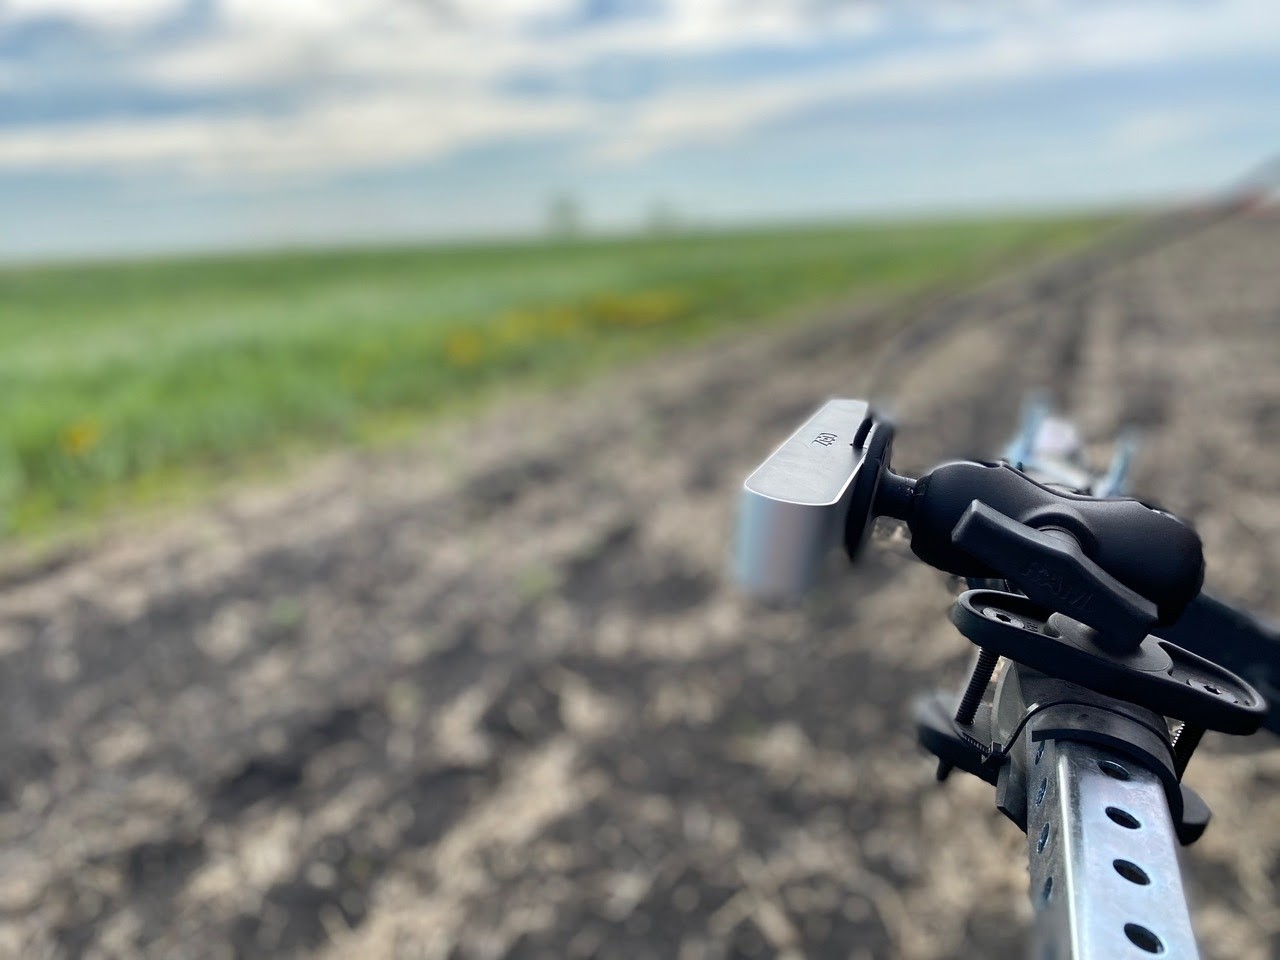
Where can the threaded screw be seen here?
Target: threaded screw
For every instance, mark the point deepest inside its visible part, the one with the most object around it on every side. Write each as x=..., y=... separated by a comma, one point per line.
x=983, y=670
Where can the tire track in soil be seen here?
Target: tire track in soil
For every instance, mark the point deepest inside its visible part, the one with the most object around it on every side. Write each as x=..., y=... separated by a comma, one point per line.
x=493, y=699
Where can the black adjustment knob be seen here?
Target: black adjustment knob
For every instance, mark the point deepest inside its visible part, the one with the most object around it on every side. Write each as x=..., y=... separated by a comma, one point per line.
x=1148, y=551
x=1051, y=569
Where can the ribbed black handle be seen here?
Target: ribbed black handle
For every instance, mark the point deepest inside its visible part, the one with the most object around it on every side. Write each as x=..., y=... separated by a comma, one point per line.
x=1051, y=569
x=1151, y=553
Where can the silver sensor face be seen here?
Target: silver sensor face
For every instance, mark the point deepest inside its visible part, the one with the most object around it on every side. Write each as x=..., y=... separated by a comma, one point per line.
x=794, y=505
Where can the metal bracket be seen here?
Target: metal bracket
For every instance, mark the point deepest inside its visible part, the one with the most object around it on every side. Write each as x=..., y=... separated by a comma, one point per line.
x=1027, y=707
x=1157, y=674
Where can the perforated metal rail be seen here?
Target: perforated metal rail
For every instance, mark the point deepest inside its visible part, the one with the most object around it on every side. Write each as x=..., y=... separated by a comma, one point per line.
x=1105, y=881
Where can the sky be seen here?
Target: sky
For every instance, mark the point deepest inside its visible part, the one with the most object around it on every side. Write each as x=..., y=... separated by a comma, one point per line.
x=135, y=126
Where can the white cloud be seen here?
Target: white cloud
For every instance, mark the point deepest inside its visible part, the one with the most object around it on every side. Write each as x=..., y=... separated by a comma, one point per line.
x=382, y=82
x=112, y=15
x=397, y=40
x=354, y=133
x=1158, y=131
x=1052, y=43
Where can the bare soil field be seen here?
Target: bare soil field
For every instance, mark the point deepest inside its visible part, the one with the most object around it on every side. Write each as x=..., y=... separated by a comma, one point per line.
x=491, y=697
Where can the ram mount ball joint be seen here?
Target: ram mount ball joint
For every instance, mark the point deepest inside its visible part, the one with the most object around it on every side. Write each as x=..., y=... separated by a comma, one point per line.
x=1100, y=661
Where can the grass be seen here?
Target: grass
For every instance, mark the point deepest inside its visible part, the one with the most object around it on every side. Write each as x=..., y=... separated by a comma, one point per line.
x=120, y=383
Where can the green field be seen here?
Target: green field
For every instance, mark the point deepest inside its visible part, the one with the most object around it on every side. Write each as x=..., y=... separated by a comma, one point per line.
x=121, y=383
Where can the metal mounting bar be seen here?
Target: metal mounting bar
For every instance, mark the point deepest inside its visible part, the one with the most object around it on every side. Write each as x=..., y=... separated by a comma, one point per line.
x=1105, y=881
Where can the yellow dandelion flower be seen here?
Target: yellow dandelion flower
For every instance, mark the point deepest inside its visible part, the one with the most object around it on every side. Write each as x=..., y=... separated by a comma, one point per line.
x=563, y=321
x=465, y=348
x=642, y=309
x=81, y=437
x=519, y=326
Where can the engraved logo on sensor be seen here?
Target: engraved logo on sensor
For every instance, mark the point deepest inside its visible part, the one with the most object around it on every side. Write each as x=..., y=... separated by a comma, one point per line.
x=826, y=439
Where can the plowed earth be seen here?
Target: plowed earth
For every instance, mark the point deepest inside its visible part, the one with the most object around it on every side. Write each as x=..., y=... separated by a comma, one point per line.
x=492, y=698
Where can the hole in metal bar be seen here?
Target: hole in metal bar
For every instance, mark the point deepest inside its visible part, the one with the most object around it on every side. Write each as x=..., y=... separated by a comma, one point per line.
x=1044, y=837
x=1131, y=872
x=1113, y=770
x=1044, y=785
x=1123, y=817
x=1142, y=938
x=1040, y=751
x=1048, y=889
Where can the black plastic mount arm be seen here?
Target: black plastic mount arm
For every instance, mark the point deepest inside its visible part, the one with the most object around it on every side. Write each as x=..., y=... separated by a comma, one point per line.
x=1126, y=565
x=1050, y=568
x=1242, y=642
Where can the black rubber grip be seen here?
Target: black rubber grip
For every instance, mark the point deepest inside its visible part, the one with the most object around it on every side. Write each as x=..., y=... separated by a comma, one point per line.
x=1147, y=551
x=1051, y=570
